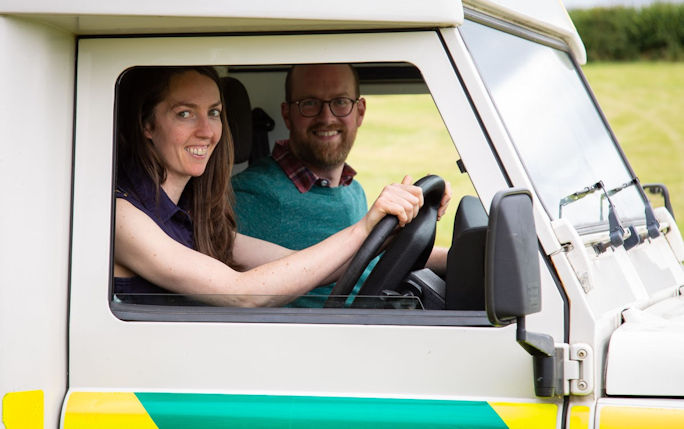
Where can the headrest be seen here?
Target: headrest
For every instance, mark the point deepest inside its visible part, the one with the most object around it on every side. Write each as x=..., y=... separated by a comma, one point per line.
x=239, y=114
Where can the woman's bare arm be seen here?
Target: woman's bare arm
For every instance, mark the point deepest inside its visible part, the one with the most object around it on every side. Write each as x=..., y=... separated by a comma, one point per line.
x=143, y=248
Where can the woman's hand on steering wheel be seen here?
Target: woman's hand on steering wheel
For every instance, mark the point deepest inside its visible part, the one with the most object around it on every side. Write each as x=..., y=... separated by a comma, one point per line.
x=411, y=246
x=446, y=197
x=402, y=200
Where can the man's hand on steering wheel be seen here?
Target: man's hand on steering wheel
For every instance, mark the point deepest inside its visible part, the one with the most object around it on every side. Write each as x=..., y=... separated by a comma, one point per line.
x=402, y=200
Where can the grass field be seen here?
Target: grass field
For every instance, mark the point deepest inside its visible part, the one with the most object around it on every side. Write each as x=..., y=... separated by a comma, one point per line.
x=644, y=103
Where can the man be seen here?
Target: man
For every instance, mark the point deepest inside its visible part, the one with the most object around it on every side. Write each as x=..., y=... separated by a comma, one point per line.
x=305, y=191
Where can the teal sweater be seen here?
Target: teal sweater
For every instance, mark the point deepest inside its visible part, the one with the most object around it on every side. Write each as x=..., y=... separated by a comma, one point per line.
x=269, y=206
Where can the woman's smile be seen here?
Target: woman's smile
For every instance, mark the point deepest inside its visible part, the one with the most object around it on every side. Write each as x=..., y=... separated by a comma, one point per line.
x=199, y=151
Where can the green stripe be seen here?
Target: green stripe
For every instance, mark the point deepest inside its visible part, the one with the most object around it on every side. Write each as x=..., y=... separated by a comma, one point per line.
x=213, y=411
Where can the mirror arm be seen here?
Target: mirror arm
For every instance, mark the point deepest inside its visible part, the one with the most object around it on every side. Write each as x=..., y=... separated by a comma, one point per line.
x=534, y=343
x=652, y=225
x=547, y=361
x=661, y=189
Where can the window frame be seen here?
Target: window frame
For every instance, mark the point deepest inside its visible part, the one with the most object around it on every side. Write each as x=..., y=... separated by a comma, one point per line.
x=131, y=312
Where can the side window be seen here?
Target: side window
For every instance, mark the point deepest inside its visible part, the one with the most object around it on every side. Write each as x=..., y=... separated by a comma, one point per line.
x=400, y=132
x=404, y=134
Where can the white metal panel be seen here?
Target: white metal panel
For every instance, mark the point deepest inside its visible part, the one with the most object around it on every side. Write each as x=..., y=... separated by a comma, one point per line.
x=175, y=16
x=664, y=403
x=36, y=83
x=657, y=265
x=93, y=17
x=360, y=10
x=264, y=358
x=672, y=234
x=645, y=353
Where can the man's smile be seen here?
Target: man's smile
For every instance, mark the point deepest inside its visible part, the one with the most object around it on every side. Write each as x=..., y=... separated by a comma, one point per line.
x=326, y=133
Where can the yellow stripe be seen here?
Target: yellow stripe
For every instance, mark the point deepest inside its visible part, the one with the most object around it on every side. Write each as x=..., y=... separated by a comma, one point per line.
x=579, y=417
x=526, y=415
x=612, y=417
x=106, y=410
x=23, y=410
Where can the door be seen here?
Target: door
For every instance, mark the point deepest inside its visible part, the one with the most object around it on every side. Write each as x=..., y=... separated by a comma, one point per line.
x=270, y=367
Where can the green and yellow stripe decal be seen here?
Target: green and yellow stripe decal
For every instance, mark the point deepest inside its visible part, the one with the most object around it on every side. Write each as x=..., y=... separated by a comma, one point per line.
x=209, y=411
x=106, y=410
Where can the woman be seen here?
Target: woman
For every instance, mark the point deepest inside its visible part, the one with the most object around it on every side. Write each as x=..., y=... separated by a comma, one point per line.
x=174, y=224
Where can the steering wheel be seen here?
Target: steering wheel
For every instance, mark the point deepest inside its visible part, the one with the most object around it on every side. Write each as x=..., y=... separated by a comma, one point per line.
x=408, y=251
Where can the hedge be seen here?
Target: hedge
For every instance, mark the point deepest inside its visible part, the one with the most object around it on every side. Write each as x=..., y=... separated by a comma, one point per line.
x=655, y=32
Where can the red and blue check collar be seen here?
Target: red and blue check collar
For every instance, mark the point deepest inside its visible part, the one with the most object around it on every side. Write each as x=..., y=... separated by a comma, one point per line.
x=300, y=175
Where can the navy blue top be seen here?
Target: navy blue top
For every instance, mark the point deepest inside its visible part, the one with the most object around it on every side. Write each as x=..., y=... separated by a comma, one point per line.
x=136, y=187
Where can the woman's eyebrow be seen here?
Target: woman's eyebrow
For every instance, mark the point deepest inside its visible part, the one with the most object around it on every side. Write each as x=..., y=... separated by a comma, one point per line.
x=193, y=105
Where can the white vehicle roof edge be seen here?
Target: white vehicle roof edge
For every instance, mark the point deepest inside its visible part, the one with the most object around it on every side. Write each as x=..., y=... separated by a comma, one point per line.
x=152, y=16
x=427, y=12
x=548, y=16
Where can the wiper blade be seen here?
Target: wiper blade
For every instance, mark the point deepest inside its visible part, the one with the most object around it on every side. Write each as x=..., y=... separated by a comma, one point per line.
x=575, y=196
x=615, y=229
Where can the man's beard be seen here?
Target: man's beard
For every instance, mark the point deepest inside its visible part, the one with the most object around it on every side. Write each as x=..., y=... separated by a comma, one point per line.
x=321, y=155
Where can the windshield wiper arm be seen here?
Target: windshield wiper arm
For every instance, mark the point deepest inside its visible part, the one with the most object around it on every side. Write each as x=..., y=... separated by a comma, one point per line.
x=615, y=230
x=652, y=225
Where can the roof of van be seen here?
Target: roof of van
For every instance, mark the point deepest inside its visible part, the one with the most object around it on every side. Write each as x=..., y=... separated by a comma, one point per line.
x=84, y=17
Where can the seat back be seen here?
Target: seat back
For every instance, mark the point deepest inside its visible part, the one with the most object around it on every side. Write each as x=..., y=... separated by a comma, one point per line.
x=465, y=260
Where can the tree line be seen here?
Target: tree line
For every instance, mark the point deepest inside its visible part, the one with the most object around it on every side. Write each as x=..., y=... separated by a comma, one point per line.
x=654, y=32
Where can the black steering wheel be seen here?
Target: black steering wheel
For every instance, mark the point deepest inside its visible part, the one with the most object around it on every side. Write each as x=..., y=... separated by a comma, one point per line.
x=407, y=252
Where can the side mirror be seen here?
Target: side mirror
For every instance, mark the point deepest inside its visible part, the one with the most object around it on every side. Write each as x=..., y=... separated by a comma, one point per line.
x=512, y=279
x=659, y=192
x=513, y=283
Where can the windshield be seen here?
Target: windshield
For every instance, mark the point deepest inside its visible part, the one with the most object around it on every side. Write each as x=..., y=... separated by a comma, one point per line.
x=556, y=128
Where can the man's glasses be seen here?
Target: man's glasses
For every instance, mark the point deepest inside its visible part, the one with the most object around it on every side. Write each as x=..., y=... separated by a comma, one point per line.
x=339, y=106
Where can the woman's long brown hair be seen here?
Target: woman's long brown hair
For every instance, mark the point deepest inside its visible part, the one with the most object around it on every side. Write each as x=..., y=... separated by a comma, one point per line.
x=140, y=89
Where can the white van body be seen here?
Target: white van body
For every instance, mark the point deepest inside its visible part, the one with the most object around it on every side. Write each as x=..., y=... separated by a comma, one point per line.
x=73, y=358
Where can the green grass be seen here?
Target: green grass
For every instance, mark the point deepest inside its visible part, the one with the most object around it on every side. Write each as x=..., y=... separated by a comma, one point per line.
x=644, y=103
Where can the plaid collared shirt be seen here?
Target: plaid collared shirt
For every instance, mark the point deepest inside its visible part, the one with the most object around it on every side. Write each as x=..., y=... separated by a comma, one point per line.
x=303, y=178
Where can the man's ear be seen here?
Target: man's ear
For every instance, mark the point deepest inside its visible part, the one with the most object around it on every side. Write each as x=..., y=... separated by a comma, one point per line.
x=285, y=113
x=361, y=108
